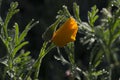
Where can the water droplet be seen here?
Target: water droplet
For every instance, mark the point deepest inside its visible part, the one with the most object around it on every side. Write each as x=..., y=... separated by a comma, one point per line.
x=90, y=63
x=92, y=40
x=103, y=70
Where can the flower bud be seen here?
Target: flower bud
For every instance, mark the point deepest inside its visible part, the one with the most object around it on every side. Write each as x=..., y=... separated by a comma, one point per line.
x=66, y=33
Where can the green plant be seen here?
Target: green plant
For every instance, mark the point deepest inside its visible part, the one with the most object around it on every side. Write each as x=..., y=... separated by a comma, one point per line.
x=16, y=62
x=102, y=40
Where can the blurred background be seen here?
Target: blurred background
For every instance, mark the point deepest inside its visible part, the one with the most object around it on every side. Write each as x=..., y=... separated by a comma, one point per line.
x=45, y=12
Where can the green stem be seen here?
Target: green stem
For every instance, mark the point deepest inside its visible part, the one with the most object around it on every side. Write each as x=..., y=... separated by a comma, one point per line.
x=4, y=74
x=110, y=71
x=42, y=54
x=110, y=74
x=39, y=60
x=38, y=68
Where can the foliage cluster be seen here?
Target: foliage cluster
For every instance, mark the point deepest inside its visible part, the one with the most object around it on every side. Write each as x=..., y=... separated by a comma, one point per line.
x=102, y=40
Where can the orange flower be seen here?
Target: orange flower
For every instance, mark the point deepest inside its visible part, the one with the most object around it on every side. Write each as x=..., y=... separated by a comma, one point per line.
x=66, y=33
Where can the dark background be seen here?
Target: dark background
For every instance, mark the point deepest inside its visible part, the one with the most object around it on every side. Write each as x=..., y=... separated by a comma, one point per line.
x=45, y=12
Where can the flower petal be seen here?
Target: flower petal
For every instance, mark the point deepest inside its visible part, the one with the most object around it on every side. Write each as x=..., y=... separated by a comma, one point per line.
x=66, y=33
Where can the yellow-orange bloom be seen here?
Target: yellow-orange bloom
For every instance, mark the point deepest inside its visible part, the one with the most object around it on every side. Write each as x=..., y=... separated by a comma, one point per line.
x=66, y=33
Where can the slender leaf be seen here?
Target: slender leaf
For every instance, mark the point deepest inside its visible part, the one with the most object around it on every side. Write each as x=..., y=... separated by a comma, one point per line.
x=11, y=12
x=27, y=28
x=76, y=11
x=18, y=48
x=16, y=34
